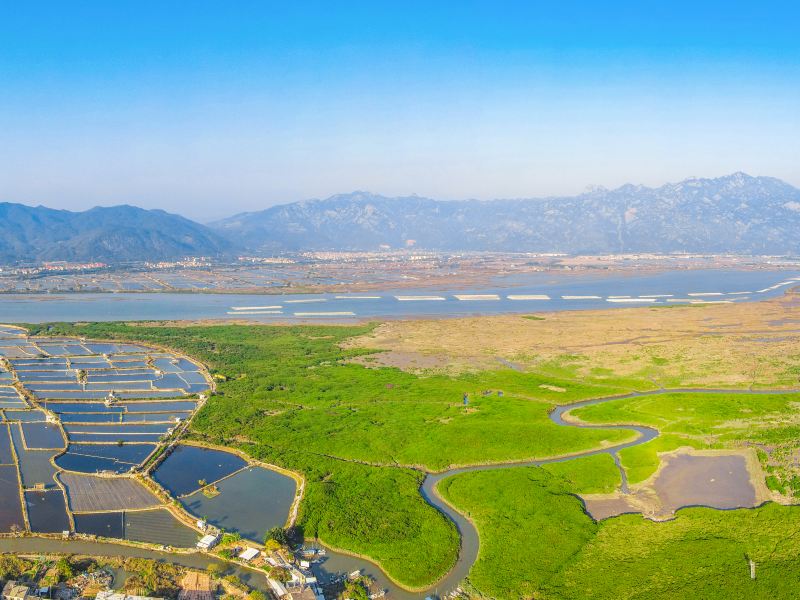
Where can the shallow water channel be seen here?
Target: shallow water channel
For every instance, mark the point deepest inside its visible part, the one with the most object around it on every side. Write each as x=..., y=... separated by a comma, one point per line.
x=469, y=536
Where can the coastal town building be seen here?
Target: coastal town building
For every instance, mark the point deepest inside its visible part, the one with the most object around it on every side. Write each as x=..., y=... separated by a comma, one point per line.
x=249, y=554
x=208, y=541
x=13, y=590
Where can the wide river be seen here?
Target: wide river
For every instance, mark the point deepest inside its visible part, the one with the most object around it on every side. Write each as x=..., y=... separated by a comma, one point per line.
x=529, y=293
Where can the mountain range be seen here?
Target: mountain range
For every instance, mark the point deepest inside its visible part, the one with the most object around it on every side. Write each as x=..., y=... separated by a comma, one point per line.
x=111, y=235
x=732, y=214
x=737, y=213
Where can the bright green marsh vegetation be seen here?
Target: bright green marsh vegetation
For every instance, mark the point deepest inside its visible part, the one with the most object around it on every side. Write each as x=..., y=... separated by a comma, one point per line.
x=362, y=438
x=290, y=396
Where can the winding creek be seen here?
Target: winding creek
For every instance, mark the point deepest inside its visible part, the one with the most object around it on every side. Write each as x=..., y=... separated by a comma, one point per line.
x=470, y=543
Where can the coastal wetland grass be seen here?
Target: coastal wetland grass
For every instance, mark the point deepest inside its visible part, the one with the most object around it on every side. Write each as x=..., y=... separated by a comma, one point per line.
x=295, y=397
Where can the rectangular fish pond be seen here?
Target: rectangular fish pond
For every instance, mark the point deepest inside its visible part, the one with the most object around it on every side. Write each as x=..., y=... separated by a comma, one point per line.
x=27, y=416
x=43, y=436
x=107, y=438
x=95, y=458
x=156, y=526
x=34, y=465
x=118, y=428
x=10, y=502
x=83, y=407
x=6, y=458
x=47, y=511
x=87, y=493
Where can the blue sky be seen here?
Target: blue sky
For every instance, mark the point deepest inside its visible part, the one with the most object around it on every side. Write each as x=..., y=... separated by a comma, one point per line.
x=210, y=108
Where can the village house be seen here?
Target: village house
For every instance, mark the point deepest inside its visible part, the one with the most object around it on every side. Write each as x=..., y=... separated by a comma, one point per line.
x=208, y=541
x=13, y=590
x=249, y=554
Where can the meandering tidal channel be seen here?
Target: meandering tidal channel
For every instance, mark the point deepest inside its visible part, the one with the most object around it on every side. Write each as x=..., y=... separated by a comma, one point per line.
x=468, y=552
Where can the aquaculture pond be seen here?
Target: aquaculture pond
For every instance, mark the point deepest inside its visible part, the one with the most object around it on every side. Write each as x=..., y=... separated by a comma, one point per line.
x=10, y=503
x=175, y=405
x=186, y=466
x=93, y=458
x=144, y=417
x=110, y=397
x=6, y=458
x=47, y=511
x=93, y=417
x=157, y=526
x=87, y=493
x=34, y=465
x=110, y=524
x=43, y=436
x=10, y=399
x=25, y=416
x=83, y=407
x=250, y=502
x=129, y=429
x=105, y=438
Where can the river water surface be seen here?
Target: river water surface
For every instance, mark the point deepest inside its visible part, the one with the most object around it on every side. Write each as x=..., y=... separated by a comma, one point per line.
x=533, y=292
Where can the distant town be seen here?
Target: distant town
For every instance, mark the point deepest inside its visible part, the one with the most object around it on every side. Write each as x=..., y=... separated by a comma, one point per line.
x=319, y=272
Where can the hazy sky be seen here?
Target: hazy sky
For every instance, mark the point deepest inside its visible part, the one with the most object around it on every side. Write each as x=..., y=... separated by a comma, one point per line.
x=210, y=108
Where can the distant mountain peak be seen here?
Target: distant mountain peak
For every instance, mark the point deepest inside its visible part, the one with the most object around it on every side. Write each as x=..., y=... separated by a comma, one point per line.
x=734, y=213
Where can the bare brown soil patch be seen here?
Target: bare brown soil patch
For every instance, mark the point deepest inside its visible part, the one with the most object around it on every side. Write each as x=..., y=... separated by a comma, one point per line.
x=723, y=479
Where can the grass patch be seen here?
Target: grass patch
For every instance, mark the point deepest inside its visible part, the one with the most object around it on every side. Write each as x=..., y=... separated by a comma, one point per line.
x=291, y=396
x=529, y=523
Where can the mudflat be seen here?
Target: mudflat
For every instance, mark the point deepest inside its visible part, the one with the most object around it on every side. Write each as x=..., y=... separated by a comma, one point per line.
x=710, y=345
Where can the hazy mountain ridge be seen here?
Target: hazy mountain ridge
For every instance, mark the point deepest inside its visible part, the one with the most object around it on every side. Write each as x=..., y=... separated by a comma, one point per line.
x=111, y=235
x=736, y=213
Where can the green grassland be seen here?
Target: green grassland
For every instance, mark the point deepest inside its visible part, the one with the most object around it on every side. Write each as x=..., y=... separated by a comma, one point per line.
x=770, y=422
x=290, y=396
x=537, y=541
x=529, y=520
x=293, y=389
